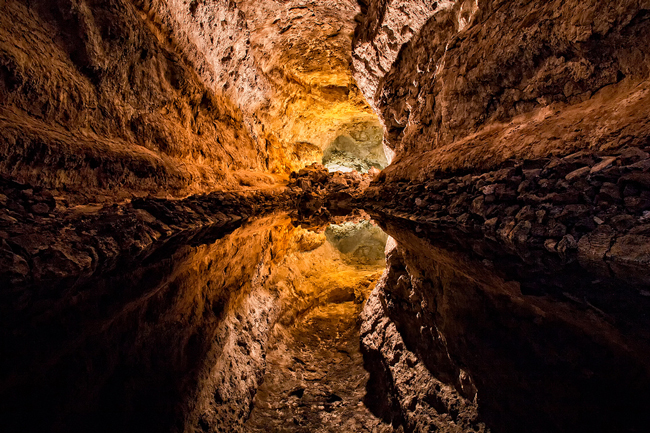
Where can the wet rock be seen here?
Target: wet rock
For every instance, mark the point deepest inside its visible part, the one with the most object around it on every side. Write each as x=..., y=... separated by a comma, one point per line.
x=629, y=257
x=592, y=248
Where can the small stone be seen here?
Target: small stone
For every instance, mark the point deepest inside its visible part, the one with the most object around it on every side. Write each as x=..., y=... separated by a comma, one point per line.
x=638, y=178
x=630, y=190
x=622, y=222
x=556, y=229
x=636, y=204
x=519, y=235
x=526, y=214
x=491, y=224
x=523, y=186
x=531, y=174
x=598, y=221
x=643, y=165
x=488, y=189
x=511, y=210
x=610, y=192
x=505, y=193
x=566, y=244
x=7, y=218
x=632, y=155
x=564, y=197
x=478, y=206
x=606, y=162
x=577, y=173
x=41, y=209
x=550, y=245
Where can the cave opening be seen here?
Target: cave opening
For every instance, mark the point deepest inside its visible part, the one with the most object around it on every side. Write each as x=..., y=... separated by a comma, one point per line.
x=357, y=147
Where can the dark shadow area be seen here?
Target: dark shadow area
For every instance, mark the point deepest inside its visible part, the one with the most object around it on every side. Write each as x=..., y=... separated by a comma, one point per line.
x=126, y=350
x=545, y=346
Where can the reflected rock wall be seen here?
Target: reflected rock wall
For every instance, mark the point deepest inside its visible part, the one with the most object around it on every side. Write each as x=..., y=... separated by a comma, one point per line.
x=452, y=341
x=172, y=343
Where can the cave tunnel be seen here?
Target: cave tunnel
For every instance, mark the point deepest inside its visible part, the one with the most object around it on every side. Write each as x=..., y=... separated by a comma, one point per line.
x=341, y=216
x=360, y=149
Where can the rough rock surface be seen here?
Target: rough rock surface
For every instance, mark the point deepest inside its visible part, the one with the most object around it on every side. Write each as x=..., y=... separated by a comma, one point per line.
x=588, y=206
x=481, y=82
x=139, y=138
x=96, y=100
x=315, y=379
x=43, y=238
x=122, y=97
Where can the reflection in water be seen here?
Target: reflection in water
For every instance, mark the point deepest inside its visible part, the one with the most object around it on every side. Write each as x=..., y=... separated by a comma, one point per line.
x=558, y=359
x=315, y=380
x=150, y=347
x=362, y=242
x=264, y=318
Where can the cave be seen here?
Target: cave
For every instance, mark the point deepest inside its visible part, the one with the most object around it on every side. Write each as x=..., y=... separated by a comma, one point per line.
x=339, y=216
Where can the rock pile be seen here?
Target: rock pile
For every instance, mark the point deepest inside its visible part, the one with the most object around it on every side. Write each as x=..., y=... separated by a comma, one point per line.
x=324, y=194
x=588, y=206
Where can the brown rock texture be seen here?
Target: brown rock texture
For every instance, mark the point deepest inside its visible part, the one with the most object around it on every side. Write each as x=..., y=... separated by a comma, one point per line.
x=481, y=82
x=303, y=48
x=588, y=206
x=165, y=188
x=123, y=97
x=315, y=379
x=96, y=99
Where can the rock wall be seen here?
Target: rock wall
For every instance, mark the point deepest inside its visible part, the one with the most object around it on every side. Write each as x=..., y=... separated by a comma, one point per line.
x=96, y=99
x=303, y=48
x=118, y=97
x=481, y=82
